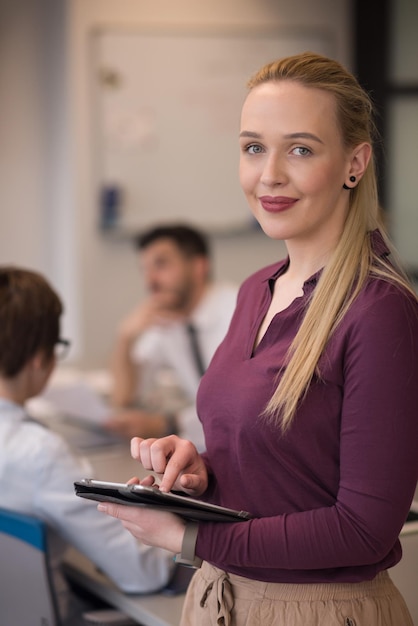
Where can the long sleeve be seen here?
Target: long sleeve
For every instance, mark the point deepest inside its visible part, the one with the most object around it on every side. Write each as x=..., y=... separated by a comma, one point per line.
x=331, y=496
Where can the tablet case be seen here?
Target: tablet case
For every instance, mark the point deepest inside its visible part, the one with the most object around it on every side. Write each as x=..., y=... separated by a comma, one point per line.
x=137, y=495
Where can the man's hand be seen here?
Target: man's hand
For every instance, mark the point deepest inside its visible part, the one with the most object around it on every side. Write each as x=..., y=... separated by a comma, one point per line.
x=135, y=422
x=148, y=313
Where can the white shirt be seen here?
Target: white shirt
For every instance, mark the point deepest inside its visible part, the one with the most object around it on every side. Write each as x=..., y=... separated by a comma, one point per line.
x=37, y=472
x=165, y=359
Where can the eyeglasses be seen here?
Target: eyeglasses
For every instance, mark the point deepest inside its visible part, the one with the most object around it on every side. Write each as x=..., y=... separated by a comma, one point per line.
x=62, y=347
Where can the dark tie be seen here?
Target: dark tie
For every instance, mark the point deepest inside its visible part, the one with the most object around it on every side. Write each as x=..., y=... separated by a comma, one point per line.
x=197, y=355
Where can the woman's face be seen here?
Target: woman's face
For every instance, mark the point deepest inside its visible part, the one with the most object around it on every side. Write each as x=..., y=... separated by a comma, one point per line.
x=293, y=163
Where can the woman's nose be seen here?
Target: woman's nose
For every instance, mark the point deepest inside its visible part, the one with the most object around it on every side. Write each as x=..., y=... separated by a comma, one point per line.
x=273, y=172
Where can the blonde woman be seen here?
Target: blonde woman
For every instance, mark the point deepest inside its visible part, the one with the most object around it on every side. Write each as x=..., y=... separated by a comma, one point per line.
x=310, y=404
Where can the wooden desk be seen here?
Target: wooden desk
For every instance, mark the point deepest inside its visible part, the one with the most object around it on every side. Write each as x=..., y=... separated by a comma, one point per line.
x=150, y=610
x=113, y=462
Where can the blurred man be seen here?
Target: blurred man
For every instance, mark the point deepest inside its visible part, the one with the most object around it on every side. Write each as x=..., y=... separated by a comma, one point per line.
x=38, y=468
x=164, y=345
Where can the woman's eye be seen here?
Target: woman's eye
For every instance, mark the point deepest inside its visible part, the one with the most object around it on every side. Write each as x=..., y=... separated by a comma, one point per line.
x=254, y=149
x=301, y=151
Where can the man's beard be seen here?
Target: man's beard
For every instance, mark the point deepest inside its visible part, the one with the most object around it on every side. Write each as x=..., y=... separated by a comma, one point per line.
x=179, y=297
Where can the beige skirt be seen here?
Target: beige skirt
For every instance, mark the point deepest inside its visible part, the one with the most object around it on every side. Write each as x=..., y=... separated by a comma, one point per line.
x=216, y=598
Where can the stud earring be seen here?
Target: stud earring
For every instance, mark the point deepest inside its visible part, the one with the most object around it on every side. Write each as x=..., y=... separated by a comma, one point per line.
x=352, y=179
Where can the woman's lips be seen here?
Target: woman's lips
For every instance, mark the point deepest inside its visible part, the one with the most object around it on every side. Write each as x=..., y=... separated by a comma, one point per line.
x=276, y=204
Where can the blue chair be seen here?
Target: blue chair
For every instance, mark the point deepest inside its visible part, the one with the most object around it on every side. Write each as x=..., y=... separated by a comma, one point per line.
x=26, y=593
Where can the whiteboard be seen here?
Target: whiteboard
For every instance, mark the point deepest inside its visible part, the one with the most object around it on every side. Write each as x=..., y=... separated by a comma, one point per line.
x=166, y=108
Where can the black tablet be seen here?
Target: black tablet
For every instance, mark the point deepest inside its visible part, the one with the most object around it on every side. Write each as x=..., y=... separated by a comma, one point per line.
x=140, y=495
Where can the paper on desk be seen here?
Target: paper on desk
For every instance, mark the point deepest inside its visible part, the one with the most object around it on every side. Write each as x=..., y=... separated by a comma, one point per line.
x=80, y=401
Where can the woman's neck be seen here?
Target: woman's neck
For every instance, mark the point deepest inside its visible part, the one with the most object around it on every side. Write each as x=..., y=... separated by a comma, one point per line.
x=305, y=260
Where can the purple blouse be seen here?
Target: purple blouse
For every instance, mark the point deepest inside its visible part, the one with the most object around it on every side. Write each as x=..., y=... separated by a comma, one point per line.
x=331, y=495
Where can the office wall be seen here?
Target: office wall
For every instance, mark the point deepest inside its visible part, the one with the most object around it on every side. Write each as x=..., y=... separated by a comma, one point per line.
x=48, y=217
x=22, y=139
x=37, y=227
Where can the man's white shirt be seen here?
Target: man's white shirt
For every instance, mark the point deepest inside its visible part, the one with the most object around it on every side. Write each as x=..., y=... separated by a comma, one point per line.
x=37, y=474
x=163, y=355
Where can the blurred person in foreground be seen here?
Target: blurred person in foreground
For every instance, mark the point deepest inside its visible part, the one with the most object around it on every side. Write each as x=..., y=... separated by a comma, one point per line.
x=37, y=468
x=310, y=404
x=165, y=344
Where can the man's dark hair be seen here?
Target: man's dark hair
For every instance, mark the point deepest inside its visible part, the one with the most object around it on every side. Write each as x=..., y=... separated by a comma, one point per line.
x=29, y=318
x=190, y=241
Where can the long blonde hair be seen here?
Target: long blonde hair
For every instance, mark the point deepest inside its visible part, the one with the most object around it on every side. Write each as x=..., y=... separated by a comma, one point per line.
x=353, y=260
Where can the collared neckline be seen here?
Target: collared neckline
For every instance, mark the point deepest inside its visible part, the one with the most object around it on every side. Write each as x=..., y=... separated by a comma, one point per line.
x=378, y=246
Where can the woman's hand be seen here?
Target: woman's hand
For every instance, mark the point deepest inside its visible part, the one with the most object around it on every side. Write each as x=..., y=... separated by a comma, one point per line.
x=152, y=527
x=176, y=460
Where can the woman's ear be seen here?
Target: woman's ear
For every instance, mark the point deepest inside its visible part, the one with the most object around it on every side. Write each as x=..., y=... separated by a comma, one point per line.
x=359, y=161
